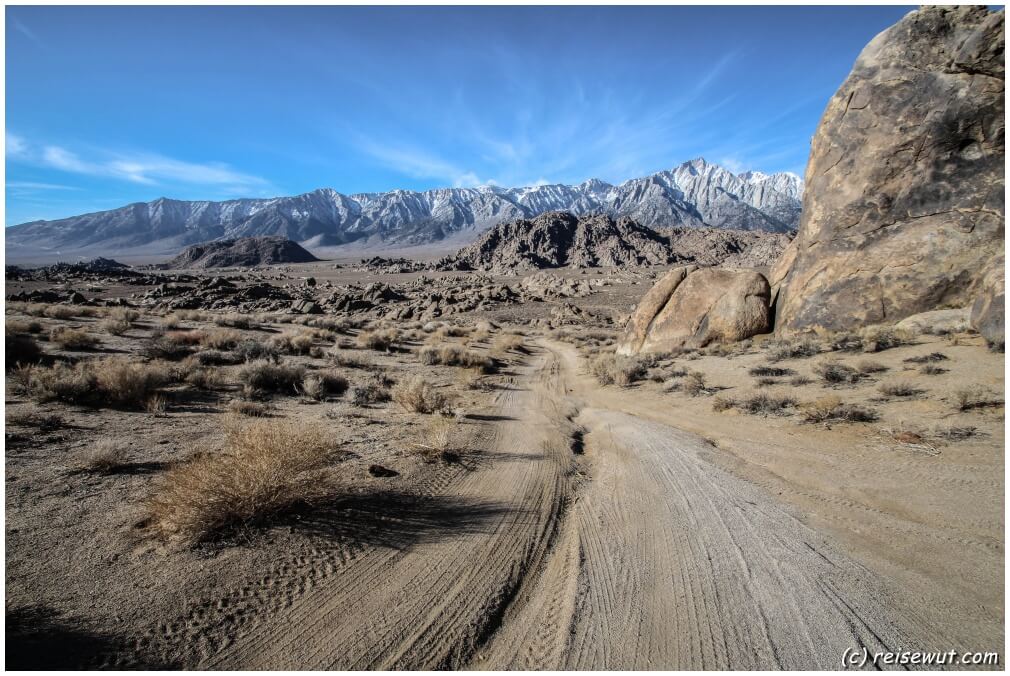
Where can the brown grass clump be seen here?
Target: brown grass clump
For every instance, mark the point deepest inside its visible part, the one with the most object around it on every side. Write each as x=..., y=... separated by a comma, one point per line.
x=455, y=355
x=264, y=469
x=323, y=384
x=930, y=358
x=831, y=409
x=800, y=381
x=720, y=404
x=126, y=383
x=248, y=408
x=880, y=338
x=61, y=382
x=378, y=339
x=508, y=342
x=220, y=339
x=124, y=314
x=204, y=378
x=899, y=389
x=60, y=311
x=417, y=395
x=793, y=349
x=72, y=339
x=21, y=349
x=33, y=417
x=436, y=440
x=14, y=326
x=115, y=327
x=612, y=369
x=236, y=321
x=104, y=457
x=976, y=396
x=162, y=347
x=836, y=373
x=867, y=367
x=932, y=370
x=767, y=404
x=291, y=342
x=171, y=321
x=267, y=377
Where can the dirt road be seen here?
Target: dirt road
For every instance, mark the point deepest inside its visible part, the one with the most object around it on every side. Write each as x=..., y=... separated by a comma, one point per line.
x=582, y=536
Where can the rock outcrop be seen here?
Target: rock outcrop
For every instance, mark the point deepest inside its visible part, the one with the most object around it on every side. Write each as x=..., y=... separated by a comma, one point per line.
x=692, y=307
x=242, y=252
x=560, y=239
x=988, y=310
x=903, y=203
x=728, y=248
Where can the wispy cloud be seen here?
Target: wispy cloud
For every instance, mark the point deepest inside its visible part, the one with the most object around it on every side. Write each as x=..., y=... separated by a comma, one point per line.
x=417, y=163
x=135, y=167
x=27, y=32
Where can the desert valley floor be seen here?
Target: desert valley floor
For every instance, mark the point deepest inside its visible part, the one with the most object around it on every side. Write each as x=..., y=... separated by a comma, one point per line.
x=497, y=490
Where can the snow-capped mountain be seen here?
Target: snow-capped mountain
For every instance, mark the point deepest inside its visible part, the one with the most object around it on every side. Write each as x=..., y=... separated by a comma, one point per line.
x=697, y=193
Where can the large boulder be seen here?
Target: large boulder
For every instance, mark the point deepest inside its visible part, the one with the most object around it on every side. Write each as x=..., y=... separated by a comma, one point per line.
x=692, y=307
x=987, y=313
x=904, y=188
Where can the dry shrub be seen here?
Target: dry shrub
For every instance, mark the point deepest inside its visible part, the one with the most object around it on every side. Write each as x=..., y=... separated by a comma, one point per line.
x=955, y=433
x=72, y=339
x=508, y=342
x=455, y=355
x=693, y=384
x=104, y=457
x=123, y=314
x=220, y=339
x=830, y=409
x=291, y=342
x=932, y=370
x=835, y=373
x=184, y=337
x=23, y=326
x=436, y=439
x=156, y=404
x=767, y=404
x=880, y=338
x=233, y=320
x=163, y=347
x=976, y=396
x=267, y=377
x=204, y=378
x=171, y=321
x=33, y=417
x=612, y=369
x=217, y=358
x=115, y=327
x=793, y=349
x=60, y=311
x=866, y=367
x=264, y=468
x=766, y=382
x=720, y=404
x=930, y=358
x=378, y=339
x=248, y=408
x=772, y=371
x=126, y=383
x=800, y=381
x=370, y=393
x=61, y=382
x=324, y=384
x=21, y=349
x=418, y=396
x=899, y=389
x=251, y=350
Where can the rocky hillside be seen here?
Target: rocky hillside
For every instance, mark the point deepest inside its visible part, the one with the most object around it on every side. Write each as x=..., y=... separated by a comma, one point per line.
x=728, y=248
x=242, y=252
x=696, y=193
x=561, y=239
x=904, y=206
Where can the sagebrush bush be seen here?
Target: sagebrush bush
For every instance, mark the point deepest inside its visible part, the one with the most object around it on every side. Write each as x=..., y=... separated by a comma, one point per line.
x=455, y=355
x=14, y=326
x=163, y=347
x=21, y=349
x=233, y=320
x=793, y=349
x=899, y=389
x=612, y=369
x=115, y=327
x=867, y=367
x=437, y=438
x=323, y=384
x=180, y=337
x=417, y=395
x=291, y=342
x=265, y=467
x=34, y=417
x=248, y=408
x=508, y=342
x=378, y=339
x=927, y=358
x=976, y=396
x=770, y=371
x=61, y=311
x=72, y=339
x=268, y=377
x=880, y=338
x=251, y=350
x=932, y=370
x=220, y=339
x=767, y=404
x=113, y=381
x=370, y=393
x=828, y=409
x=693, y=384
x=105, y=456
x=835, y=373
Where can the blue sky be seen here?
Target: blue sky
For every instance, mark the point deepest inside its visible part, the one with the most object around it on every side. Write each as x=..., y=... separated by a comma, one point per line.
x=112, y=105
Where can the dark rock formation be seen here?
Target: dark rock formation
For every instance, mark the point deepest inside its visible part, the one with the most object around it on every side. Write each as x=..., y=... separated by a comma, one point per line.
x=988, y=310
x=728, y=248
x=242, y=252
x=904, y=188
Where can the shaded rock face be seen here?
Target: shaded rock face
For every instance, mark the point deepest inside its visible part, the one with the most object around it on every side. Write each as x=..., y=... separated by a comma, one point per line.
x=904, y=188
x=988, y=310
x=242, y=252
x=692, y=307
x=728, y=248
x=560, y=239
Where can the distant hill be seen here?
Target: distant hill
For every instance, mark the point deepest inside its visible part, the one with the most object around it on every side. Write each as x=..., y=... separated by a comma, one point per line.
x=695, y=194
x=242, y=252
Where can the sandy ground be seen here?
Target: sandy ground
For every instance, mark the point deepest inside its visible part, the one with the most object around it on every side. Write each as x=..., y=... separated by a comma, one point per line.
x=585, y=527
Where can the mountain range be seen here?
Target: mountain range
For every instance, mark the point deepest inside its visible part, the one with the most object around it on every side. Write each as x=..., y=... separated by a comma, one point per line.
x=696, y=193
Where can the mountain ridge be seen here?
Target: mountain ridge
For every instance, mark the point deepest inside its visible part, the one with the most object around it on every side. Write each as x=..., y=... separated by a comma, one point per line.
x=695, y=193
